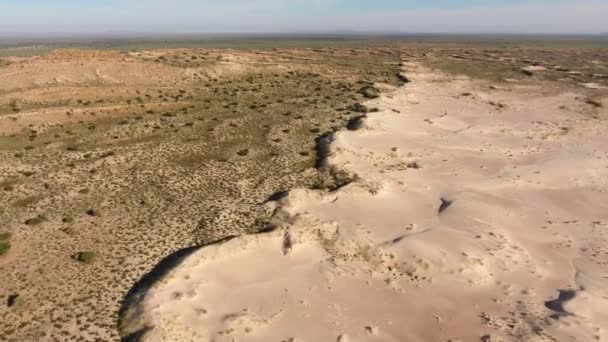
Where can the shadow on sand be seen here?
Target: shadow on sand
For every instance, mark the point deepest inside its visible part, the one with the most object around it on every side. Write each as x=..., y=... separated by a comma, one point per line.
x=130, y=308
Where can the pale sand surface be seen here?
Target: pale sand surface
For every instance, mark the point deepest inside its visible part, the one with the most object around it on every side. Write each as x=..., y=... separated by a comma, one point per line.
x=525, y=173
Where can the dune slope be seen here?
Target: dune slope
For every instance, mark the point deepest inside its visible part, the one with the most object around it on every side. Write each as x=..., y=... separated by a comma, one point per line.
x=479, y=213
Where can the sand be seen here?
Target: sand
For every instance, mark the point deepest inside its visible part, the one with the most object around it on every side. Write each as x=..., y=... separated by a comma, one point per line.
x=479, y=214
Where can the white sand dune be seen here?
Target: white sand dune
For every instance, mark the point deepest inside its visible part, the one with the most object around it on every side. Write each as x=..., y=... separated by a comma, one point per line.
x=470, y=213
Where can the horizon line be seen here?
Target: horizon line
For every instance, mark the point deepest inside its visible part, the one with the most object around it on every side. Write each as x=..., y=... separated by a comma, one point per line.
x=345, y=33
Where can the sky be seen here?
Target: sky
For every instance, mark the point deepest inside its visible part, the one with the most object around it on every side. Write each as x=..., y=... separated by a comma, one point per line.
x=304, y=16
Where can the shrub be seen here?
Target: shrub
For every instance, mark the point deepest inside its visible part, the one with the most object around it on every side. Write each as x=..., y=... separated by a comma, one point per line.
x=35, y=220
x=594, y=103
x=359, y=108
x=4, y=247
x=369, y=92
x=14, y=300
x=401, y=77
x=527, y=72
x=355, y=123
x=84, y=257
x=413, y=165
x=15, y=106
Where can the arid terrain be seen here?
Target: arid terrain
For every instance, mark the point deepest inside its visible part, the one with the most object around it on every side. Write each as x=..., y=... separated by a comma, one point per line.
x=406, y=192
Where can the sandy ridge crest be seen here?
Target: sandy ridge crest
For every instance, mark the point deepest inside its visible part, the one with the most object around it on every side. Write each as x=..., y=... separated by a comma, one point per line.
x=475, y=217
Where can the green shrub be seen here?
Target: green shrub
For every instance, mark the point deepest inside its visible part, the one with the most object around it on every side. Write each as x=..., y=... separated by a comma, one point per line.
x=35, y=220
x=4, y=247
x=84, y=257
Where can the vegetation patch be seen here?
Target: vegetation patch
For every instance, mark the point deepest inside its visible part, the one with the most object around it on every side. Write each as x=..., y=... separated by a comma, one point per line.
x=370, y=92
x=5, y=244
x=35, y=220
x=84, y=257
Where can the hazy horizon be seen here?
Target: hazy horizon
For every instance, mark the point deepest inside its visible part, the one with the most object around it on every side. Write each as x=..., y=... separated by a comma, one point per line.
x=137, y=17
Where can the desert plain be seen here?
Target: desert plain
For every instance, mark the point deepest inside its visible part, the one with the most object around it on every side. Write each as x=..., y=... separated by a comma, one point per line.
x=395, y=191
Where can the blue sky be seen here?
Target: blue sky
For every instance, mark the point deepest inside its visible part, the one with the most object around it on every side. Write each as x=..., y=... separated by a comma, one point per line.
x=207, y=16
